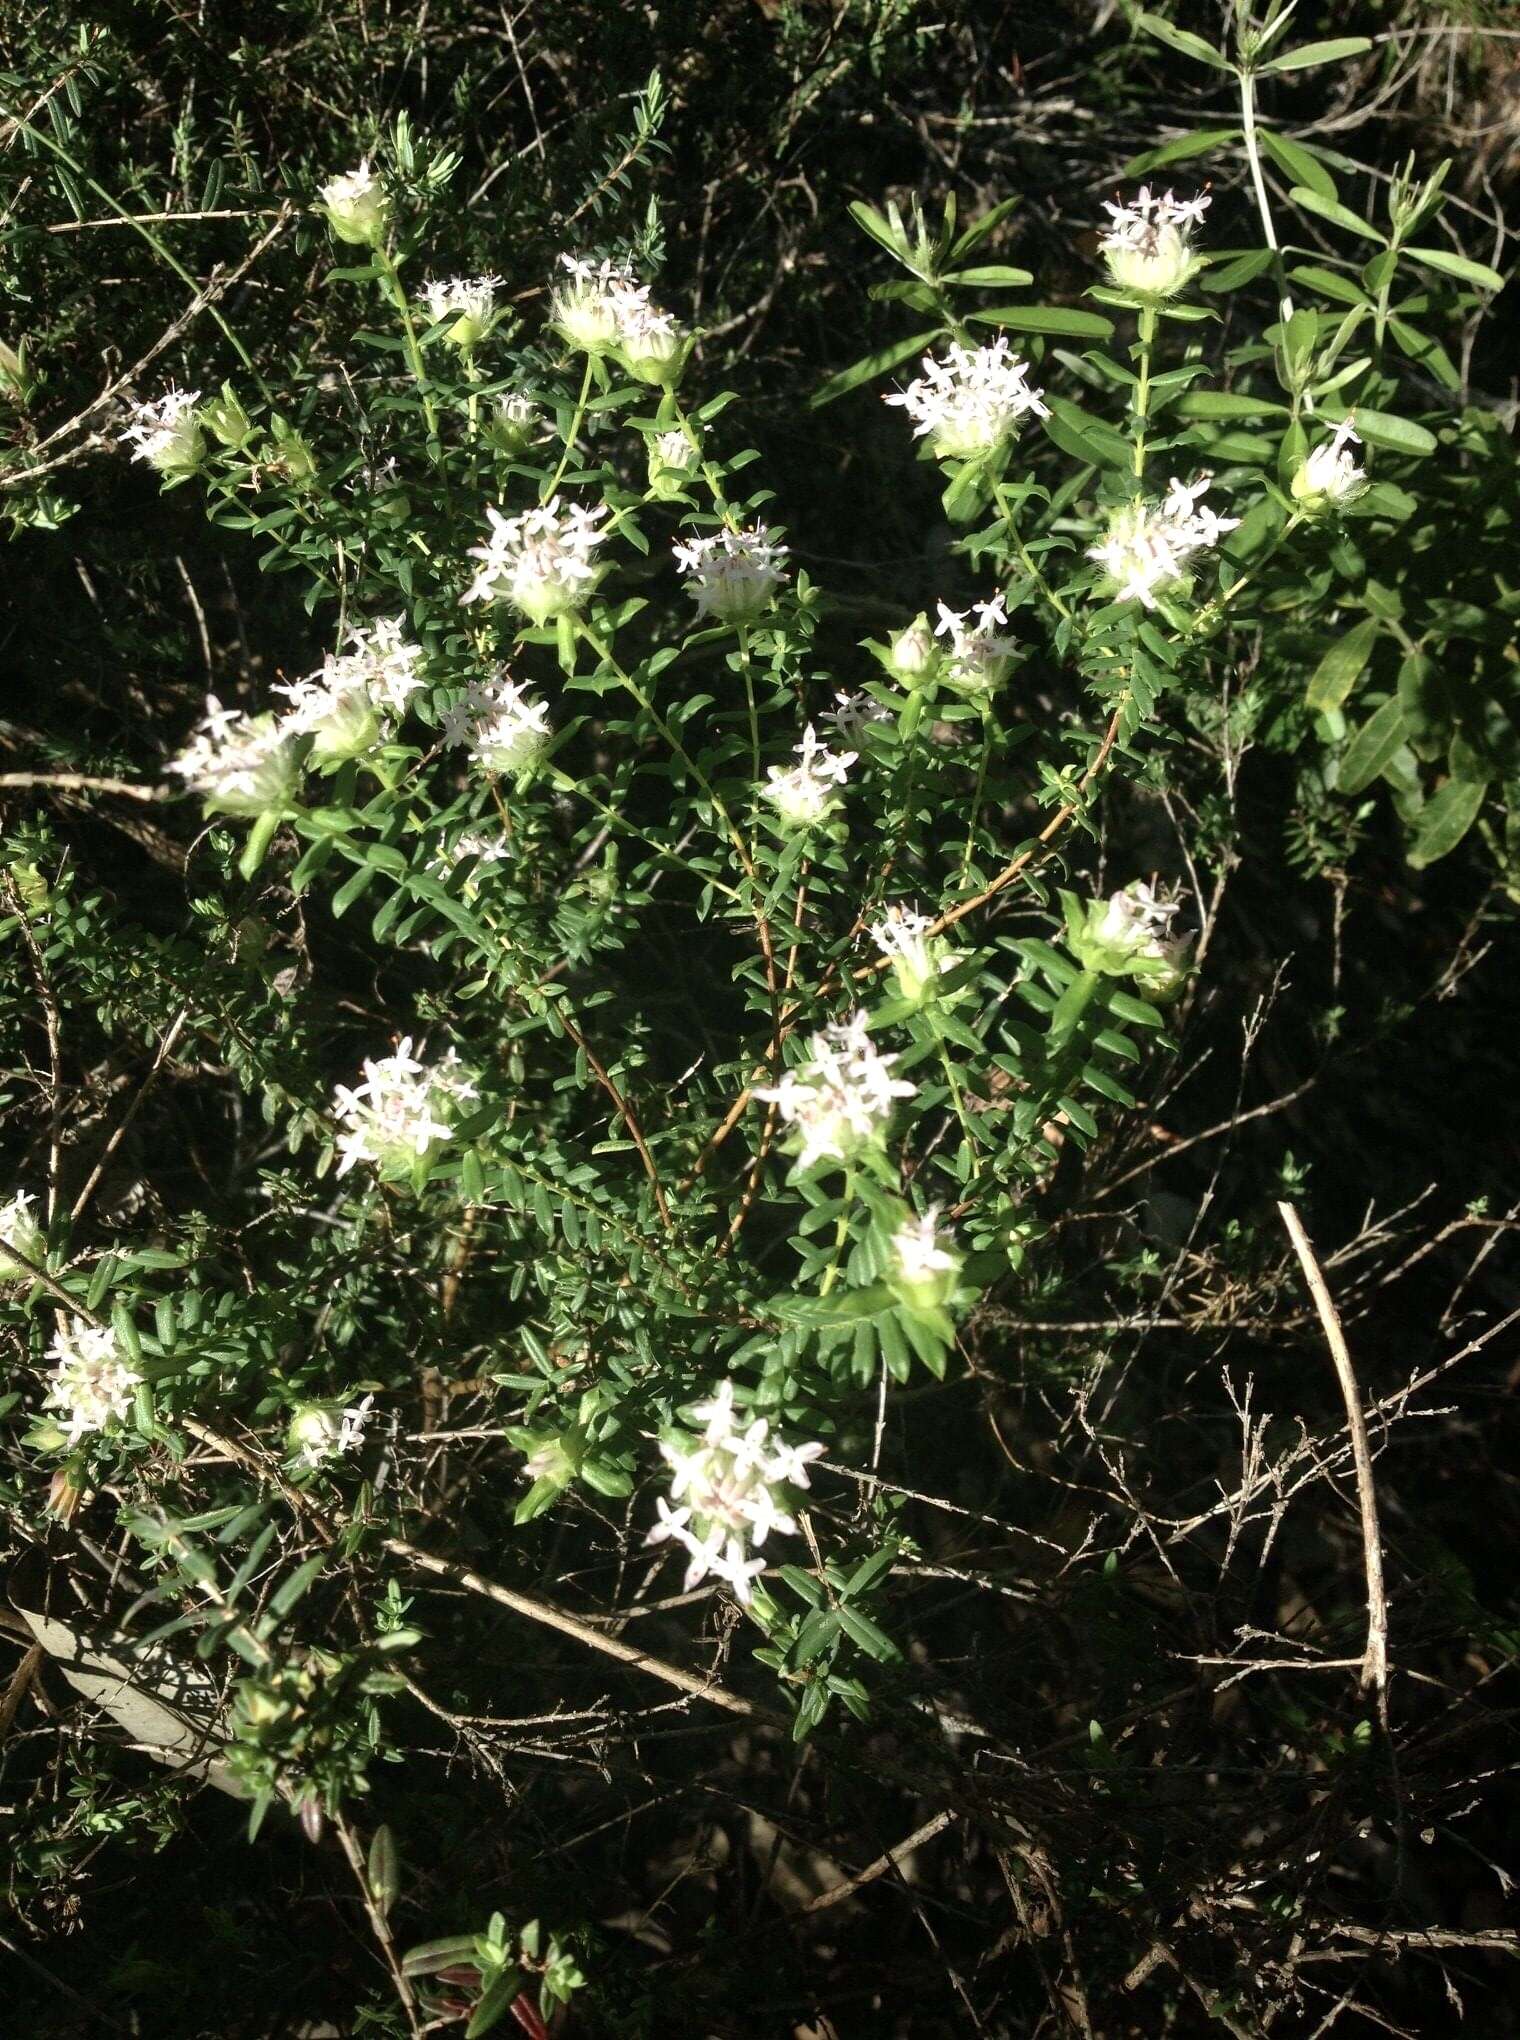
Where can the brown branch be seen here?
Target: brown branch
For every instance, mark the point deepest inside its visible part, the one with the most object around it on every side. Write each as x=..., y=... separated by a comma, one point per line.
x=84, y=782
x=837, y=1893
x=380, y=1926
x=624, y=1109
x=1375, y=1659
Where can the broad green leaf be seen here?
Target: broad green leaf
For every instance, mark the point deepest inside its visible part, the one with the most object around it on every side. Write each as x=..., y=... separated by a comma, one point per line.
x=1307, y=55
x=1460, y=266
x=1372, y=747
x=1342, y=666
x=384, y=1870
x=870, y=366
x=1182, y=40
x=1198, y=143
x=1228, y=272
x=1446, y=819
x=1328, y=283
x=1332, y=210
x=1301, y=164
x=1085, y=438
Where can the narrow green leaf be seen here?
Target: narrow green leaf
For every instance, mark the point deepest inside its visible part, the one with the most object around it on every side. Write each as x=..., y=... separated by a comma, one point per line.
x=1372, y=747
x=1342, y=666
x=1398, y=435
x=384, y=1870
x=1228, y=404
x=1181, y=40
x=1301, y=164
x=1460, y=266
x=870, y=366
x=1333, y=51
x=1337, y=214
x=1446, y=819
x=1198, y=143
x=1046, y=319
x=989, y=275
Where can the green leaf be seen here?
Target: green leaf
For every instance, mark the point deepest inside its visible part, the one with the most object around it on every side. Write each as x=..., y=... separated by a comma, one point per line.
x=1342, y=666
x=988, y=275
x=1446, y=819
x=1307, y=55
x=496, y=2003
x=1398, y=435
x=1181, y=40
x=1228, y=404
x=1301, y=164
x=1331, y=209
x=870, y=366
x=1085, y=438
x=286, y=1595
x=1372, y=747
x=1229, y=272
x=429, y=1956
x=861, y=1630
x=1198, y=143
x=384, y=1870
x=1460, y=266
x=1046, y=319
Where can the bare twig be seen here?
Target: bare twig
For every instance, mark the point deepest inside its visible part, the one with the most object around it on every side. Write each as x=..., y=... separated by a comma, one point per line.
x=1375, y=1658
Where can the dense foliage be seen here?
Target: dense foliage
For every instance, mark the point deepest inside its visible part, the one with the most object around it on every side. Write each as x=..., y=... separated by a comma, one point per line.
x=758, y=1254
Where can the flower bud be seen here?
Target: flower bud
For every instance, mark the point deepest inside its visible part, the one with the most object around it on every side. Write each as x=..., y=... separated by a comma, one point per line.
x=514, y=424
x=19, y=1230
x=1127, y=935
x=918, y=959
x=924, y=1271
x=357, y=207
x=469, y=303
x=651, y=345
x=17, y=382
x=913, y=657
x=65, y=1493
x=226, y=419
x=673, y=461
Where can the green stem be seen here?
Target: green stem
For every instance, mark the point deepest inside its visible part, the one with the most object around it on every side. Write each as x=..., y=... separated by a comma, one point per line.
x=957, y=1098
x=976, y=798
x=575, y=429
x=576, y=788
x=1147, y=339
x=1025, y=558
x=841, y=1233
x=409, y=341
x=1253, y=154
x=754, y=719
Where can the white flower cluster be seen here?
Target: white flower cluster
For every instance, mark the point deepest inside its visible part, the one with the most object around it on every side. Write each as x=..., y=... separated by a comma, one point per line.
x=319, y=1433
x=979, y=654
x=726, y=1484
x=515, y=422
x=19, y=1232
x=921, y=1258
x=241, y=764
x=539, y=561
x=917, y=958
x=972, y=401
x=92, y=1384
x=602, y=305
x=733, y=575
x=359, y=695
x=468, y=302
x=804, y=793
x=1148, y=242
x=504, y=727
x=841, y=1097
x=1147, y=545
x=1139, y=919
x=395, y=1115
x=166, y=432
x=1329, y=475
x=854, y=713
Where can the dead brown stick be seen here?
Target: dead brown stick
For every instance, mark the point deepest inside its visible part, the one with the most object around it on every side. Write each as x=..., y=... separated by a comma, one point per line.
x=837, y=1893
x=1375, y=1657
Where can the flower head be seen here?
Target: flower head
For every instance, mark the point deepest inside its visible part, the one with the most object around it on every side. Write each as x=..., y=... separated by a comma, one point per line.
x=504, y=727
x=924, y=1268
x=240, y=764
x=1147, y=545
x=589, y=305
x=92, y=1383
x=1148, y=243
x=20, y=1232
x=357, y=207
x=972, y=401
x=733, y=575
x=729, y=1483
x=979, y=655
x=1329, y=476
x=166, y=432
x=854, y=713
x=395, y=1117
x=917, y=957
x=803, y=794
x=540, y=561
x=1129, y=935
x=673, y=458
x=651, y=344
x=840, y=1099
x=515, y=422
x=319, y=1432
x=468, y=302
